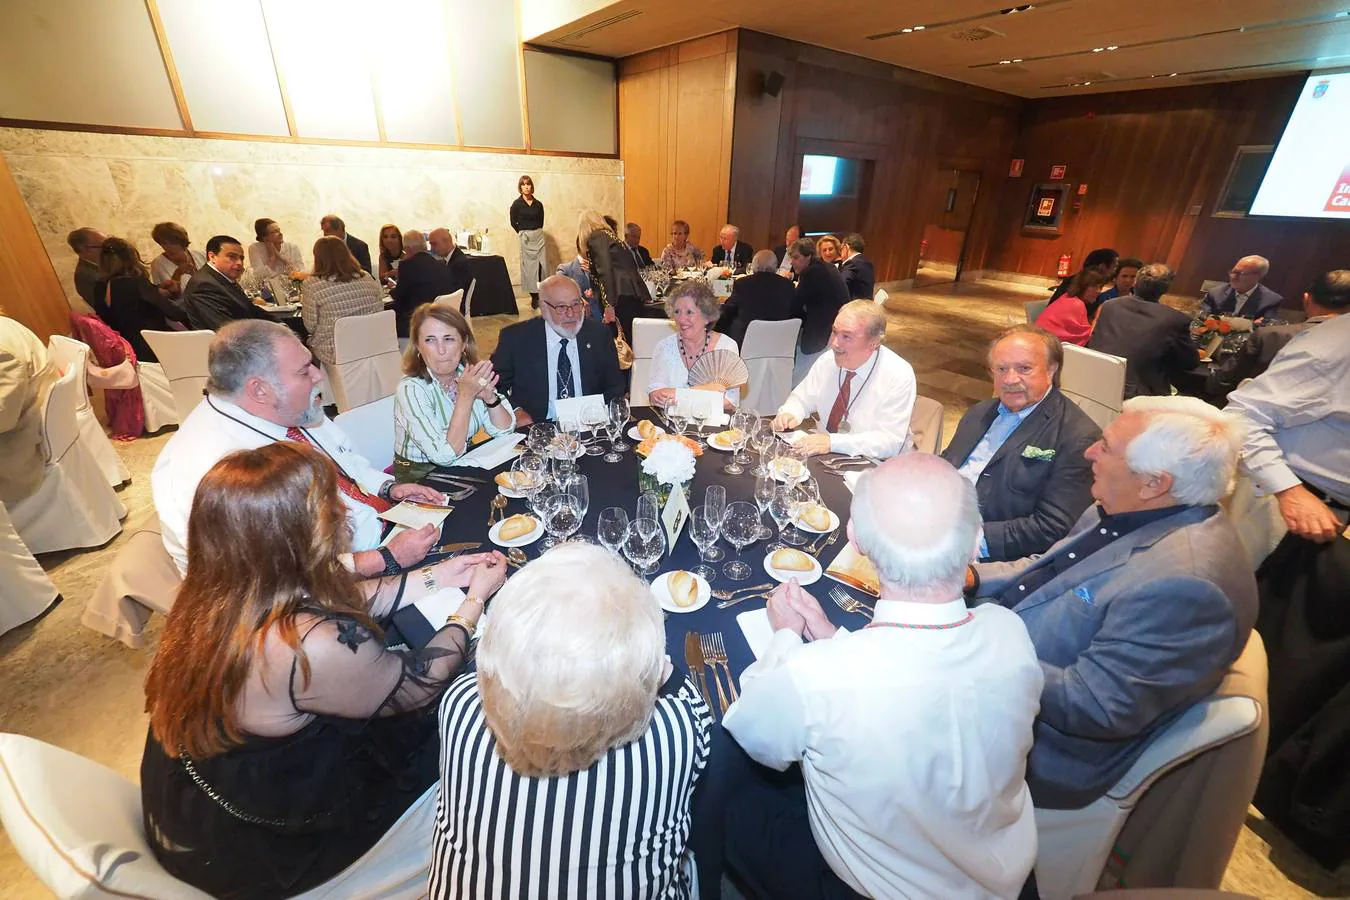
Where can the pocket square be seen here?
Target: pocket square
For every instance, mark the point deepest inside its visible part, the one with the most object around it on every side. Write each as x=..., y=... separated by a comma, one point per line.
x=1085, y=595
x=1030, y=452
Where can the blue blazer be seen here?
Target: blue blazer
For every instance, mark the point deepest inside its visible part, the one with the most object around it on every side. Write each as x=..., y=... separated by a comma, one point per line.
x=1220, y=301
x=1128, y=638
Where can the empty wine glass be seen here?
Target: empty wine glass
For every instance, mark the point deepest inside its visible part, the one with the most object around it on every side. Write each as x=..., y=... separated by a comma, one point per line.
x=703, y=528
x=715, y=498
x=621, y=412
x=579, y=487
x=646, y=506
x=698, y=414
x=764, y=491
x=741, y=527
x=782, y=507
x=566, y=448
x=593, y=416
x=677, y=418
x=761, y=438
x=561, y=517
x=643, y=544
x=741, y=423
x=541, y=437
x=611, y=527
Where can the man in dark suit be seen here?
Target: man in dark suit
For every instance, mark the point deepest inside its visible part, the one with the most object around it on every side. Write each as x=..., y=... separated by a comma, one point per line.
x=763, y=294
x=859, y=275
x=1244, y=295
x=442, y=244
x=563, y=353
x=213, y=296
x=820, y=293
x=1023, y=450
x=1154, y=339
x=780, y=251
x=332, y=225
x=731, y=252
x=421, y=279
x=632, y=239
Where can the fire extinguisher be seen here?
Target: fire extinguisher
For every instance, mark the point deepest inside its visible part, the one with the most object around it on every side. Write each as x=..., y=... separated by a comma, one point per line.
x=1064, y=262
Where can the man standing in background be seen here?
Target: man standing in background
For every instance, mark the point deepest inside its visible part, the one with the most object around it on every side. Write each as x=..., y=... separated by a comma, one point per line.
x=332, y=226
x=88, y=246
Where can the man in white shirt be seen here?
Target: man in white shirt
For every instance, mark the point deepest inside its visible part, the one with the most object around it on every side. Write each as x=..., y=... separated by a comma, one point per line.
x=263, y=387
x=912, y=734
x=861, y=393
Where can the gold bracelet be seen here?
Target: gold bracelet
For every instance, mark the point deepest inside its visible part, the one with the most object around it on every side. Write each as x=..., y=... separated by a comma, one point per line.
x=456, y=619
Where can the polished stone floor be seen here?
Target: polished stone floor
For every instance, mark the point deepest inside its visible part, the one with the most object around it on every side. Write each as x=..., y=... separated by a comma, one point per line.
x=62, y=683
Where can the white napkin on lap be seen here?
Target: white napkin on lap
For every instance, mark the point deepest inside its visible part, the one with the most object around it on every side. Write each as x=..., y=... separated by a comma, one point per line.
x=757, y=630
x=438, y=606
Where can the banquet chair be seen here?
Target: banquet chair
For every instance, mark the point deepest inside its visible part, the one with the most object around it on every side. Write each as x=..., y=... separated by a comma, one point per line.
x=78, y=827
x=769, y=351
x=74, y=506
x=1173, y=819
x=367, y=363
x=468, y=298
x=1095, y=381
x=156, y=397
x=68, y=354
x=880, y=297
x=925, y=425
x=182, y=356
x=141, y=580
x=370, y=429
x=454, y=298
x=27, y=589
x=1034, y=309
x=647, y=333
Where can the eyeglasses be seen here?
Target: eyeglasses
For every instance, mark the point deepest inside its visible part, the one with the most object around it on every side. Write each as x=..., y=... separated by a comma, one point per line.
x=571, y=309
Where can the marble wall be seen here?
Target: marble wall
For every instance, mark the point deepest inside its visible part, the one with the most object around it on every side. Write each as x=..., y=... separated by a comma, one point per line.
x=123, y=184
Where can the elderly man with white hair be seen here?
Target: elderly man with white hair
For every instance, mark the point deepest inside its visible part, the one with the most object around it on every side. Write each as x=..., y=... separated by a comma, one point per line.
x=912, y=734
x=422, y=277
x=732, y=253
x=1139, y=611
x=861, y=393
x=1244, y=295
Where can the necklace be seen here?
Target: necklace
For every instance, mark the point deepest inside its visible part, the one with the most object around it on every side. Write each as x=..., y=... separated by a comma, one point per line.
x=970, y=617
x=689, y=362
x=843, y=422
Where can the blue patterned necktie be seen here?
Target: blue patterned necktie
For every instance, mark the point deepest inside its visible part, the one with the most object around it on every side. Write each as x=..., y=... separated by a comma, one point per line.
x=566, y=387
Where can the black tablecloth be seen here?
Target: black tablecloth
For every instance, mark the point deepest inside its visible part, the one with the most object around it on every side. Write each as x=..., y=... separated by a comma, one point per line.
x=493, y=295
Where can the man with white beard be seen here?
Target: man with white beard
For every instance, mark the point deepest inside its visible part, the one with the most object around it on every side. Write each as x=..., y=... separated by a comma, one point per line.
x=264, y=387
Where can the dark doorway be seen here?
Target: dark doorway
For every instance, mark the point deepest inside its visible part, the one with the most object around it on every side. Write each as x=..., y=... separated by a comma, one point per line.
x=949, y=206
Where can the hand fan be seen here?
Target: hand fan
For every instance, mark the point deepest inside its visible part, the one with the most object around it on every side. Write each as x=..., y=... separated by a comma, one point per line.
x=721, y=366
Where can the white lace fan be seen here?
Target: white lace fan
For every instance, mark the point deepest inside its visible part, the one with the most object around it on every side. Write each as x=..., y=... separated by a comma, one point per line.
x=724, y=367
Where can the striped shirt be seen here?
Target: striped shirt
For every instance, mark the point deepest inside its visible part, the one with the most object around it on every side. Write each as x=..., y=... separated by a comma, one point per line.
x=422, y=411
x=617, y=829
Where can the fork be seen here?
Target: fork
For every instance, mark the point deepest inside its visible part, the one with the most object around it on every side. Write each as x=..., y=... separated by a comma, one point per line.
x=727, y=595
x=732, y=602
x=849, y=603
x=716, y=652
x=706, y=645
x=824, y=542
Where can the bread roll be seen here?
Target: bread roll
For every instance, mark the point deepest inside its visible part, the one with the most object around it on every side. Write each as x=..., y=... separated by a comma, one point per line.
x=789, y=560
x=815, y=516
x=647, y=430
x=506, y=480
x=683, y=588
x=728, y=437
x=516, y=526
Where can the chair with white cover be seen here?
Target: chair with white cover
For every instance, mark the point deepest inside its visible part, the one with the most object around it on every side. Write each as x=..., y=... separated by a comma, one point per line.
x=1034, y=309
x=769, y=351
x=78, y=827
x=1205, y=765
x=367, y=364
x=1095, y=381
x=156, y=397
x=370, y=429
x=925, y=425
x=27, y=589
x=647, y=333
x=74, y=506
x=182, y=356
x=68, y=354
x=880, y=297
x=468, y=298
x=142, y=580
x=454, y=298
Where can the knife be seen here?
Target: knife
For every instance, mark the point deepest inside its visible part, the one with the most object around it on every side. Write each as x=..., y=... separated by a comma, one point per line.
x=452, y=548
x=693, y=658
x=453, y=479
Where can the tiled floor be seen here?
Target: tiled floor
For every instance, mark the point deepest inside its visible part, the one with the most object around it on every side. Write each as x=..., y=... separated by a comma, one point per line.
x=64, y=684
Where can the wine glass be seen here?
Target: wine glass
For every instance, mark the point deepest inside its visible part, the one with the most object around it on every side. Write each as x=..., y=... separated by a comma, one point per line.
x=561, y=518
x=677, y=417
x=703, y=528
x=566, y=448
x=741, y=423
x=741, y=527
x=761, y=438
x=611, y=527
x=782, y=507
x=765, y=485
x=646, y=506
x=541, y=437
x=715, y=498
x=620, y=412
x=643, y=544
x=579, y=487
x=698, y=414
x=594, y=415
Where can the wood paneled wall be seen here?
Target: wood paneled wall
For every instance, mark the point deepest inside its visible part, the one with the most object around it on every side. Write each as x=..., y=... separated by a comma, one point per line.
x=29, y=289
x=675, y=127
x=1155, y=162
x=911, y=124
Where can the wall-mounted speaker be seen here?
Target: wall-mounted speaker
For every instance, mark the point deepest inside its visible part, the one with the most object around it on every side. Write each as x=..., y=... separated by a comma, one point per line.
x=773, y=83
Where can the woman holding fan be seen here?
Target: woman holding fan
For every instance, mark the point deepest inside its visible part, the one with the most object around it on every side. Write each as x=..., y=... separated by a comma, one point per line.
x=695, y=356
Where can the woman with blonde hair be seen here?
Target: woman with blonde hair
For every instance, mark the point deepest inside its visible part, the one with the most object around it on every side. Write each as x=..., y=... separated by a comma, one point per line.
x=576, y=718
x=827, y=248
x=337, y=287
x=125, y=299
x=447, y=395
x=615, y=280
x=285, y=738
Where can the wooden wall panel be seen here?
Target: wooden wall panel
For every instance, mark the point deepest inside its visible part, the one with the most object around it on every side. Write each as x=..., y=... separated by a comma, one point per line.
x=29, y=289
x=1153, y=160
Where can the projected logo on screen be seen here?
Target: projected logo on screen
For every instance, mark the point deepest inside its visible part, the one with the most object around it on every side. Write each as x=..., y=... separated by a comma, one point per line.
x=1339, y=201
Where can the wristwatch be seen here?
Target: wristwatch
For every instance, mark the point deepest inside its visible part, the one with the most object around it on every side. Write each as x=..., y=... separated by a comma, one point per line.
x=385, y=490
x=495, y=403
x=391, y=566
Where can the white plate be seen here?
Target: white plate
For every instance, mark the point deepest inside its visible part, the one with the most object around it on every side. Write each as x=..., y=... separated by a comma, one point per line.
x=803, y=578
x=778, y=474
x=834, y=523
x=663, y=594
x=633, y=434
x=718, y=445
x=510, y=494
x=522, y=541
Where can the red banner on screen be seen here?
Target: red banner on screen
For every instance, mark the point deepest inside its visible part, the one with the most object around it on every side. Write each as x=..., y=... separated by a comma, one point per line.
x=1339, y=201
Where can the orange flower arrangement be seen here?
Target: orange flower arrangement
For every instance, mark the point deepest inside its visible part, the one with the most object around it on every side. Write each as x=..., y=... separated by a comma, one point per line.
x=1213, y=324
x=646, y=446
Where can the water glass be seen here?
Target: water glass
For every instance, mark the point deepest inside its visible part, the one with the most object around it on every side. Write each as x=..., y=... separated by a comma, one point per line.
x=765, y=486
x=593, y=416
x=741, y=528
x=620, y=413
x=643, y=544
x=761, y=438
x=703, y=529
x=611, y=527
x=697, y=416
x=715, y=498
x=579, y=487
x=741, y=423
x=782, y=507
x=646, y=506
x=677, y=418
x=561, y=518
x=541, y=437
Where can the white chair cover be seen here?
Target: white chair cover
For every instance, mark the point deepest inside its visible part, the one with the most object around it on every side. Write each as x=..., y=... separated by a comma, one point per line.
x=182, y=356
x=370, y=428
x=70, y=354
x=925, y=425
x=880, y=297
x=1095, y=381
x=25, y=589
x=74, y=506
x=368, y=363
x=156, y=397
x=769, y=351
x=142, y=580
x=1034, y=309
x=647, y=333
x=454, y=298
x=468, y=298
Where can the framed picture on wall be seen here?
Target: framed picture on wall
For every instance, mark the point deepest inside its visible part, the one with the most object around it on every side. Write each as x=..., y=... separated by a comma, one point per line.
x=1045, y=209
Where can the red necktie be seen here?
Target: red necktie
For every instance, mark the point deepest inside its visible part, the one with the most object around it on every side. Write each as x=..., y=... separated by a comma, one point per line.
x=840, y=408
x=345, y=484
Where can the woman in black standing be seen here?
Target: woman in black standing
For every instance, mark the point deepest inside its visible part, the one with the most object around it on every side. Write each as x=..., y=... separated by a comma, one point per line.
x=128, y=302
x=614, y=274
x=527, y=218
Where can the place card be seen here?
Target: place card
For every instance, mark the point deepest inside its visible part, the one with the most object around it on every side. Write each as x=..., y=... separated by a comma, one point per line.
x=673, y=517
x=707, y=402
x=757, y=630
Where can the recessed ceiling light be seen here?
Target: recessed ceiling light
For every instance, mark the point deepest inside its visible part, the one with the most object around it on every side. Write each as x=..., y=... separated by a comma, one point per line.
x=1005, y=62
x=1173, y=75
x=919, y=27
x=1017, y=60
x=1113, y=47
x=1098, y=49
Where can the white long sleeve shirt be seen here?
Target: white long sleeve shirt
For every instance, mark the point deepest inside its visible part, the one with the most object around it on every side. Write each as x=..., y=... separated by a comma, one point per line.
x=882, y=401
x=669, y=370
x=913, y=744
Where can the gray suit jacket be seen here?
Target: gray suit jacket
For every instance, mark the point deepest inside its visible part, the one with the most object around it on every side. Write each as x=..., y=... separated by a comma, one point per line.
x=1128, y=638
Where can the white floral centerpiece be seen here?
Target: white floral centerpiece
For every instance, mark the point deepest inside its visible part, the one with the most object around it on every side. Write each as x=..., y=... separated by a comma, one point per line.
x=668, y=463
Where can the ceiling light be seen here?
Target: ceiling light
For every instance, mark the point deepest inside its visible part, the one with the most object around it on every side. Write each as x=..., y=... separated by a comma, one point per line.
x=1005, y=62
x=1173, y=75
x=1113, y=47
x=919, y=27
x=1098, y=49
x=1086, y=83
x=1017, y=60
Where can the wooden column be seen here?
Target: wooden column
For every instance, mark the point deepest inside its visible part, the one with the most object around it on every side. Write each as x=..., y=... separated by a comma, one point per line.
x=29, y=289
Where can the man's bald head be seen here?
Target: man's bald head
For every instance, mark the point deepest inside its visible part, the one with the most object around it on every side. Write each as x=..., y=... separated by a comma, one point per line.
x=918, y=521
x=441, y=241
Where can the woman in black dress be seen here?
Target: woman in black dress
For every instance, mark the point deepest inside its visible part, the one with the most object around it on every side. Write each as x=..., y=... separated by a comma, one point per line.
x=527, y=218
x=128, y=302
x=614, y=274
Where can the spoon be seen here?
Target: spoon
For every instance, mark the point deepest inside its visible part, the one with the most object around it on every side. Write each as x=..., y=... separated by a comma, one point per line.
x=496, y=506
x=516, y=556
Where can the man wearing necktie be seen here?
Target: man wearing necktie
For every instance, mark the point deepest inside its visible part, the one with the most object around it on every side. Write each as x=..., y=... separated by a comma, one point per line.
x=213, y=296
x=632, y=238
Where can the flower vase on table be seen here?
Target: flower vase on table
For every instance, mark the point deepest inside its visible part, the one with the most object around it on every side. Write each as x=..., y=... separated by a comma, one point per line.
x=668, y=463
x=650, y=483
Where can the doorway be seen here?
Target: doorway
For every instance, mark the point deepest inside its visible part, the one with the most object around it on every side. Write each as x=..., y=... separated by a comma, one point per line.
x=950, y=205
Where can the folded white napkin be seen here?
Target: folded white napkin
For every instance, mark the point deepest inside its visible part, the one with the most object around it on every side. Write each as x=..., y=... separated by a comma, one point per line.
x=757, y=630
x=493, y=453
x=411, y=514
x=438, y=606
x=851, y=480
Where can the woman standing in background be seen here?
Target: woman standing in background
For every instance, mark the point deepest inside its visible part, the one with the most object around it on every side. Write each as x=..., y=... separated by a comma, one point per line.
x=527, y=218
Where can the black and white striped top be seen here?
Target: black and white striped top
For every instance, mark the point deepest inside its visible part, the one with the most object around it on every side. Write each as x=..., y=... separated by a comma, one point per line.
x=616, y=830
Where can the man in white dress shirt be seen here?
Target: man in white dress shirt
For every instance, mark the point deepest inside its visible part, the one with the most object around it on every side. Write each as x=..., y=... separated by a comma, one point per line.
x=861, y=393
x=264, y=387
x=912, y=734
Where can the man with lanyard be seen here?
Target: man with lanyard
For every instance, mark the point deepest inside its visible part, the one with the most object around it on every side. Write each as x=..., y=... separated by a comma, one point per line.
x=861, y=393
x=263, y=387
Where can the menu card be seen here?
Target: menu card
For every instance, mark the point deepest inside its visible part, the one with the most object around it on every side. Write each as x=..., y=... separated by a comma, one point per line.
x=673, y=517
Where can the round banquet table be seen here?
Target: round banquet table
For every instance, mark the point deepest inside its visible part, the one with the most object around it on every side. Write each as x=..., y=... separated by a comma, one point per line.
x=615, y=484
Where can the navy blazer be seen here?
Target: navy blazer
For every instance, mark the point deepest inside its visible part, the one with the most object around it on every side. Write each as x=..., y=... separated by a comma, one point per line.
x=360, y=250
x=1154, y=339
x=1220, y=301
x=860, y=277
x=1129, y=637
x=421, y=278
x=740, y=257
x=521, y=361
x=210, y=300
x=820, y=293
x=1028, y=504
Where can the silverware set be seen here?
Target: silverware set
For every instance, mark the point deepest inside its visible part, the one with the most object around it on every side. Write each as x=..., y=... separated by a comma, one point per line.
x=704, y=653
x=820, y=543
x=841, y=464
x=496, y=508
x=457, y=487
x=849, y=603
